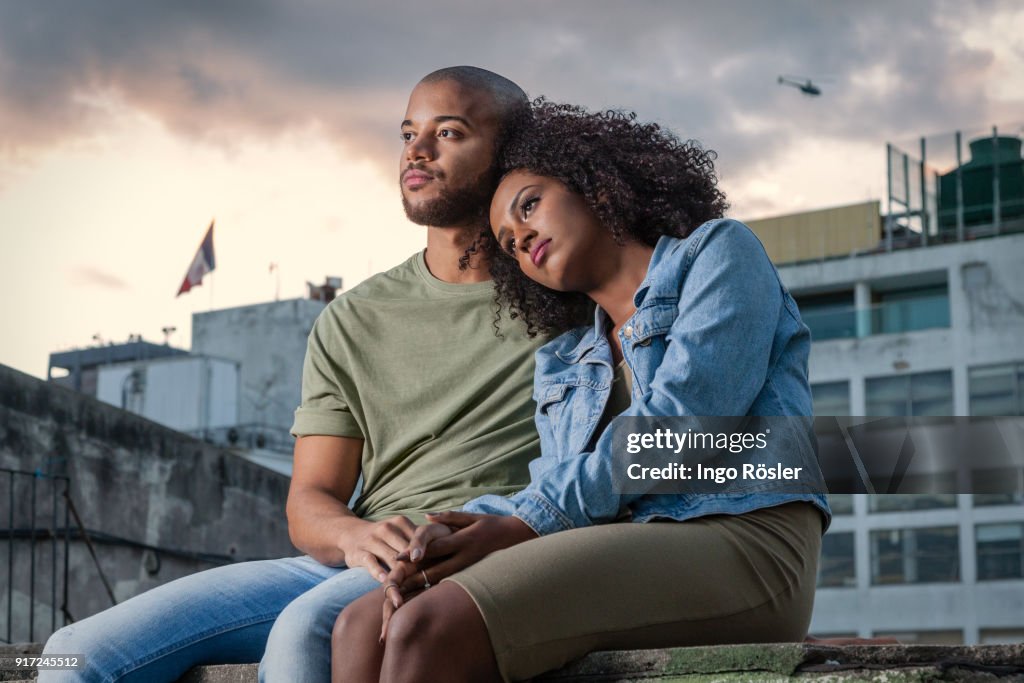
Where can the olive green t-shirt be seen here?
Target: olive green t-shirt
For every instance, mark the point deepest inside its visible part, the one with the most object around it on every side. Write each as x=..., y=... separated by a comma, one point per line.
x=412, y=365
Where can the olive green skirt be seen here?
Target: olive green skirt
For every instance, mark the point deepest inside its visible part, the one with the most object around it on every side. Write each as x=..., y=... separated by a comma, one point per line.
x=711, y=580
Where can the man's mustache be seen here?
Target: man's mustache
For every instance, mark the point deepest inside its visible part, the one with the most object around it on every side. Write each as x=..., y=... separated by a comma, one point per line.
x=436, y=174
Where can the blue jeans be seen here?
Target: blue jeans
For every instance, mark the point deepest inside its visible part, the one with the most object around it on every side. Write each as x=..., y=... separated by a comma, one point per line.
x=278, y=611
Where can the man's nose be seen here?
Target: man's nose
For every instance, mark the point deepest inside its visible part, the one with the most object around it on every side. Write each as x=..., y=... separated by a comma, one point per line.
x=420, y=149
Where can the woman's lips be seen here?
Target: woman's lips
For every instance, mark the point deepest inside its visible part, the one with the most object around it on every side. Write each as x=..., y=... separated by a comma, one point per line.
x=537, y=255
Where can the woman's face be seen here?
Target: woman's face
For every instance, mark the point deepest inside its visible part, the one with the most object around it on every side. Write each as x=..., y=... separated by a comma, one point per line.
x=550, y=231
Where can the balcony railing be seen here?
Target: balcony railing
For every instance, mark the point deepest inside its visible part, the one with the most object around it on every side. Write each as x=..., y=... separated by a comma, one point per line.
x=892, y=317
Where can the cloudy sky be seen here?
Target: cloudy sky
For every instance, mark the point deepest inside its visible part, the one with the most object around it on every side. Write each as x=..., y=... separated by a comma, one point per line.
x=126, y=126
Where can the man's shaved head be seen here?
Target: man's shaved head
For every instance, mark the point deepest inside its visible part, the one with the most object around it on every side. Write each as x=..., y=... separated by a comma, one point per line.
x=511, y=102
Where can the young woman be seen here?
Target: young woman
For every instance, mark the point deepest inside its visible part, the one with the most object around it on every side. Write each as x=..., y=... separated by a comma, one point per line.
x=609, y=232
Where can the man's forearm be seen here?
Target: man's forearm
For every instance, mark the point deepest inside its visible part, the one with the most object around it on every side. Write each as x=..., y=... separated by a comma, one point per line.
x=319, y=524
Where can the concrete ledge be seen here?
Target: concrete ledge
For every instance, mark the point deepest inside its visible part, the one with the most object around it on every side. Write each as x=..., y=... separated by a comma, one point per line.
x=729, y=664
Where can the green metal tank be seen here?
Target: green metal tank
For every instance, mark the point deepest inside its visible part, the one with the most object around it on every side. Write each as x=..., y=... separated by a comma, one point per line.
x=986, y=156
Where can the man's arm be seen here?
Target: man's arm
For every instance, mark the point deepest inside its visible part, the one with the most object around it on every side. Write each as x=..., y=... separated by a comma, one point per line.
x=320, y=523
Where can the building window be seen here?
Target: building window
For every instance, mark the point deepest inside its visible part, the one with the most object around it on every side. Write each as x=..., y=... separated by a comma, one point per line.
x=997, y=389
x=1001, y=636
x=836, y=568
x=924, y=637
x=924, y=393
x=907, y=310
x=828, y=316
x=999, y=479
x=999, y=550
x=928, y=555
x=903, y=502
x=841, y=503
x=831, y=399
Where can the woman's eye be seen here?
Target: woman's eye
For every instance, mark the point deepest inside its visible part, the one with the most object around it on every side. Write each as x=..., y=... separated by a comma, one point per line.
x=511, y=248
x=529, y=205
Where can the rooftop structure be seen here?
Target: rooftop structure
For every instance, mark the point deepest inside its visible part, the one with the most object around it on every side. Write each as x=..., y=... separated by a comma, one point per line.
x=918, y=312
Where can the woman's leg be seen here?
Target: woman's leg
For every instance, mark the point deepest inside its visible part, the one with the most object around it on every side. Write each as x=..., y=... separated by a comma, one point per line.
x=720, y=579
x=439, y=636
x=356, y=650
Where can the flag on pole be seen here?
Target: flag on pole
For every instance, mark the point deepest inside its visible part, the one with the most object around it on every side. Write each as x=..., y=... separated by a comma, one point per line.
x=202, y=264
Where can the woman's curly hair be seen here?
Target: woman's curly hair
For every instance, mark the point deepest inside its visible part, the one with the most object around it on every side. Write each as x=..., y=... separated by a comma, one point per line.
x=639, y=178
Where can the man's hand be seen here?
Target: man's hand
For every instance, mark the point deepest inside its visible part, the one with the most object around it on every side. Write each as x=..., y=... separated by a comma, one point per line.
x=375, y=545
x=452, y=542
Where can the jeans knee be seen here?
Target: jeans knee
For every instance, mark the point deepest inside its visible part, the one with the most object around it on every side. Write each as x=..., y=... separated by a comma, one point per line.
x=294, y=627
x=298, y=646
x=68, y=641
x=60, y=641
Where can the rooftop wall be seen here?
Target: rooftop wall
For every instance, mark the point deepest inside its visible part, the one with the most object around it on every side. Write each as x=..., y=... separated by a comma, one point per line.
x=159, y=504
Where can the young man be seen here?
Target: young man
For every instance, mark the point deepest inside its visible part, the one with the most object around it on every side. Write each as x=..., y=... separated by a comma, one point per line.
x=406, y=383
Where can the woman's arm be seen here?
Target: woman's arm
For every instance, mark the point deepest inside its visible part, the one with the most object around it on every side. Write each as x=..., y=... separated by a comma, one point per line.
x=715, y=364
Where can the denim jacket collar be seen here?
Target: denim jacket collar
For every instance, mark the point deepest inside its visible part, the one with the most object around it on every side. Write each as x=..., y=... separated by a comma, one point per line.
x=662, y=287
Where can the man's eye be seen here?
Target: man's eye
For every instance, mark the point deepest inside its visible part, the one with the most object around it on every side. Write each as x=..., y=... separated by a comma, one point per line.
x=406, y=136
x=447, y=133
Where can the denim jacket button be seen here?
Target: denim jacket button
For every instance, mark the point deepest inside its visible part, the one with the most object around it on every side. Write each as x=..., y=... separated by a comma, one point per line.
x=628, y=331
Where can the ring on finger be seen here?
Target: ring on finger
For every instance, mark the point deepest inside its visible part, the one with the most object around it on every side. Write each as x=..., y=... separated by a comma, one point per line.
x=426, y=581
x=389, y=587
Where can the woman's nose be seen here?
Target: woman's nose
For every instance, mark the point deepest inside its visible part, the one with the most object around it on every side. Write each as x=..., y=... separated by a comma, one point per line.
x=524, y=237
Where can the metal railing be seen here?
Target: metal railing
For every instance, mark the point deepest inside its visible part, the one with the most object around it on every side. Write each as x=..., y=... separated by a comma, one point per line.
x=890, y=317
x=46, y=495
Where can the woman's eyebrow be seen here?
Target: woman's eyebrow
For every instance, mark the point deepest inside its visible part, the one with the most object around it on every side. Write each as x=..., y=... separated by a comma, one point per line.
x=443, y=119
x=515, y=200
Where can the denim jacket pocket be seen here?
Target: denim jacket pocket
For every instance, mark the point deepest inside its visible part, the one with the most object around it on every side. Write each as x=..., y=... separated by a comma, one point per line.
x=655, y=321
x=570, y=411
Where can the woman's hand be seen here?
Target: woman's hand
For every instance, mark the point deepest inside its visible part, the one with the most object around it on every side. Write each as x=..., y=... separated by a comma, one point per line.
x=456, y=540
x=451, y=542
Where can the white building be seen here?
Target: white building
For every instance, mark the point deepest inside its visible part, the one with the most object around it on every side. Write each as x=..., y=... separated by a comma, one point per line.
x=238, y=386
x=933, y=328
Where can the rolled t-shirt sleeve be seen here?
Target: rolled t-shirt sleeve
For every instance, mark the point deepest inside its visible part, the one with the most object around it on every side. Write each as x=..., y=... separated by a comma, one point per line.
x=325, y=409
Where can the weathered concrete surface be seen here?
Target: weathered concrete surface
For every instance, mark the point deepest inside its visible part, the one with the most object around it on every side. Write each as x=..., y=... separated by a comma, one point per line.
x=134, y=482
x=798, y=661
x=758, y=662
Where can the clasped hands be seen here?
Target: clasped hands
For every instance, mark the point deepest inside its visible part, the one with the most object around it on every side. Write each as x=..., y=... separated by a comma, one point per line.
x=448, y=543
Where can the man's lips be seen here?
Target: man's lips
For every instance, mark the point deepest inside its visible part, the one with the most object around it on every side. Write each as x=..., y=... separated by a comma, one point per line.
x=413, y=178
x=538, y=251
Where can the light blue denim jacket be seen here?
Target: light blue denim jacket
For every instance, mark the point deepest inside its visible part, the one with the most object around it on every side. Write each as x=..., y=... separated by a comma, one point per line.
x=715, y=333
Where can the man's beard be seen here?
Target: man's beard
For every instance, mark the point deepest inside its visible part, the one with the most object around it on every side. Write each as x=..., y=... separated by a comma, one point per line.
x=459, y=206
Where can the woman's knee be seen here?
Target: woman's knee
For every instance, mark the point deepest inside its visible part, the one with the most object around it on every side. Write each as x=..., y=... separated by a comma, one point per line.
x=426, y=623
x=357, y=621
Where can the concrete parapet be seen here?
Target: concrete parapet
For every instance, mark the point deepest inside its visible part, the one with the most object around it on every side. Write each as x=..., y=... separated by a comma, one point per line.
x=732, y=664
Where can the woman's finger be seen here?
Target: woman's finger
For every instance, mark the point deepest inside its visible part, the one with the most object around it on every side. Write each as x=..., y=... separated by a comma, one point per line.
x=454, y=518
x=444, y=569
x=389, y=610
x=424, y=536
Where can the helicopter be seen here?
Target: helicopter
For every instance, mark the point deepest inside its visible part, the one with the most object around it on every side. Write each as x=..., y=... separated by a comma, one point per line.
x=806, y=87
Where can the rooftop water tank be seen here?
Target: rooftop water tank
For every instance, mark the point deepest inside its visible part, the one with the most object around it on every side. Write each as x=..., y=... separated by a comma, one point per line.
x=987, y=154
